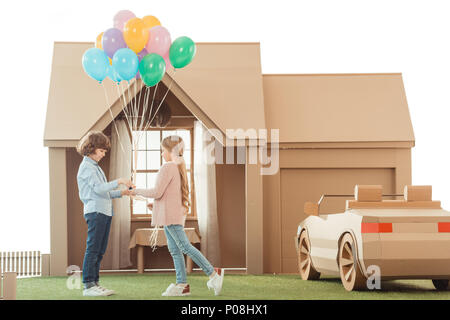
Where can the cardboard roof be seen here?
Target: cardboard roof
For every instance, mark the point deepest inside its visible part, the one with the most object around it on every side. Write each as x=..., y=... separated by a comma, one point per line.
x=224, y=81
x=226, y=85
x=337, y=107
x=75, y=101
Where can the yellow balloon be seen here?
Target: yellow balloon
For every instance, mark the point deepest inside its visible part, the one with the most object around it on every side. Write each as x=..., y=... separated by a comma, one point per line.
x=135, y=34
x=98, y=41
x=151, y=21
x=110, y=61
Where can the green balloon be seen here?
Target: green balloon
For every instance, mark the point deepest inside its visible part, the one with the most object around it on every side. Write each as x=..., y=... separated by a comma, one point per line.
x=152, y=68
x=181, y=52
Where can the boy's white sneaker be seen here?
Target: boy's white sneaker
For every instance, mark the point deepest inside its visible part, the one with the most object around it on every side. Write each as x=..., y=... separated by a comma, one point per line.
x=216, y=281
x=177, y=291
x=107, y=292
x=94, y=291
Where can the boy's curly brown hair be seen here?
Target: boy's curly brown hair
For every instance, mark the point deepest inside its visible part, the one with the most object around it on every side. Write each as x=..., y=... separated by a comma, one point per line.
x=91, y=141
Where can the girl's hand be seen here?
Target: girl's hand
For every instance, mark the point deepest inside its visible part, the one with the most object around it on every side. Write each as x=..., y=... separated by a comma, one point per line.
x=150, y=206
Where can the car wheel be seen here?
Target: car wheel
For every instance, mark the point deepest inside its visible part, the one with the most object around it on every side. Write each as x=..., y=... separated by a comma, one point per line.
x=440, y=284
x=306, y=269
x=351, y=275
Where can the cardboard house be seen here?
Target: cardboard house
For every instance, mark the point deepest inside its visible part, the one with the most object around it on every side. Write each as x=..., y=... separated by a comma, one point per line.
x=335, y=131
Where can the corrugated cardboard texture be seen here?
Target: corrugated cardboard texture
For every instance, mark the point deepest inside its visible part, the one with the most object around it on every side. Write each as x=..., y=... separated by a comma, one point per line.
x=386, y=204
x=337, y=107
x=368, y=193
x=418, y=193
x=311, y=209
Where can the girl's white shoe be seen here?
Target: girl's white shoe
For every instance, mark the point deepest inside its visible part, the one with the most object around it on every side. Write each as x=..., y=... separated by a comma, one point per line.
x=178, y=290
x=216, y=281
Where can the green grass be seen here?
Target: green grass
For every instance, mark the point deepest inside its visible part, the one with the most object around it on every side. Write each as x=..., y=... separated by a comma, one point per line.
x=285, y=287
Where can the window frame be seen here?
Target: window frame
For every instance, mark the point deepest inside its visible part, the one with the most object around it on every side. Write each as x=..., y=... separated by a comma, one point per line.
x=193, y=215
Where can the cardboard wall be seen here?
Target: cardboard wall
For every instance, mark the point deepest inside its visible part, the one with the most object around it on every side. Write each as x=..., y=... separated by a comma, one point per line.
x=58, y=206
x=76, y=225
x=231, y=212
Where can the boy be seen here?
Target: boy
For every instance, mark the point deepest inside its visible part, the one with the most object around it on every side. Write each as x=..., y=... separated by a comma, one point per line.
x=96, y=193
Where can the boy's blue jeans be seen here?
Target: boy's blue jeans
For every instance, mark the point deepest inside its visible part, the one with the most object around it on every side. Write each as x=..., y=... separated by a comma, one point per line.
x=99, y=225
x=178, y=243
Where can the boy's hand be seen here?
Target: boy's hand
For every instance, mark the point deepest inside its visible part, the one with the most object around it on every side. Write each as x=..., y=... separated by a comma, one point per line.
x=150, y=206
x=128, y=183
x=128, y=193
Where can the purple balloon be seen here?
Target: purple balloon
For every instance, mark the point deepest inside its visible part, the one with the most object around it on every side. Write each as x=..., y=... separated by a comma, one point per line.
x=141, y=55
x=112, y=41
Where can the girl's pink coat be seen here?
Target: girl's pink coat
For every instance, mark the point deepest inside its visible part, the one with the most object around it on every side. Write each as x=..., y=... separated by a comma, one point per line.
x=167, y=207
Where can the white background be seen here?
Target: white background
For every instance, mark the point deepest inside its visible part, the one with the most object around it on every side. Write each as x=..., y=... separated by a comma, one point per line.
x=411, y=37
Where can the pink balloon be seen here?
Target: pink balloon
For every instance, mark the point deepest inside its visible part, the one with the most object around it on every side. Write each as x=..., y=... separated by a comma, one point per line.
x=122, y=17
x=159, y=41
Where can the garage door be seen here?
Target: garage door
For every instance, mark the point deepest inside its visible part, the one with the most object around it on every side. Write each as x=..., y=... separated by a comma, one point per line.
x=301, y=185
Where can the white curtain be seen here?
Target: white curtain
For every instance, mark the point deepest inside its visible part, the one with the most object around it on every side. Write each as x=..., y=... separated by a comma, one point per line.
x=205, y=193
x=117, y=254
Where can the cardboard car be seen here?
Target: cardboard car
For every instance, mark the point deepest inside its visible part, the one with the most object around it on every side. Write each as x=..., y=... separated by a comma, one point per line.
x=392, y=239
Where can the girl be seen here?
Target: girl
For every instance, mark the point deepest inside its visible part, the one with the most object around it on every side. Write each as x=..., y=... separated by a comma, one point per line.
x=171, y=194
x=96, y=194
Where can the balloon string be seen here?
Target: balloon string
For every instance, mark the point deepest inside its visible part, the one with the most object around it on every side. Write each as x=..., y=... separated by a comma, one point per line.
x=133, y=102
x=126, y=112
x=168, y=89
x=146, y=107
x=139, y=103
x=133, y=135
x=136, y=110
x=127, y=103
x=127, y=116
x=127, y=106
x=137, y=134
x=151, y=107
x=148, y=123
x=124, y=109
x=144, y=111
x=146, y=102
x=114, y=122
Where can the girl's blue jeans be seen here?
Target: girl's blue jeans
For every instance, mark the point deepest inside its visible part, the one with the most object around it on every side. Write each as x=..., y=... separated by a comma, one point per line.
x=179, y=244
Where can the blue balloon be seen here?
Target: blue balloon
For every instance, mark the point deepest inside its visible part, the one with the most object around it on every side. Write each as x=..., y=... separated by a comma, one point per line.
x=95, y=63
x=113, y=75
x=126, y=63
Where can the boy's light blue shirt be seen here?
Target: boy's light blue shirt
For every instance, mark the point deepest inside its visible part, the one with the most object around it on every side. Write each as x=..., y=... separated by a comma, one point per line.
x=94, y=190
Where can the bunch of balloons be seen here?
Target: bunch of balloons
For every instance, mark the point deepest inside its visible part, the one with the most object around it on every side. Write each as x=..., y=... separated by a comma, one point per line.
x=136, y=48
